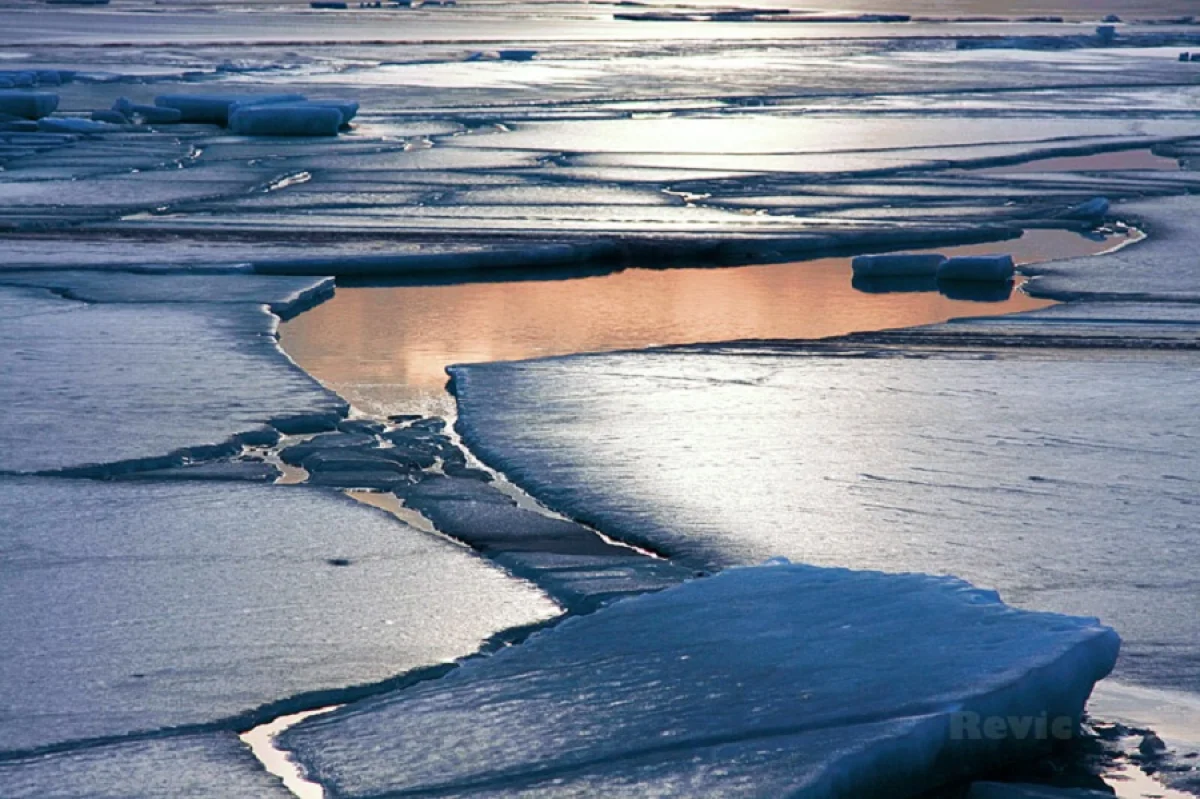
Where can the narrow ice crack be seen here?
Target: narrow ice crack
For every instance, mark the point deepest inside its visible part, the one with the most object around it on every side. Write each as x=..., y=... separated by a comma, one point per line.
x=261, y=741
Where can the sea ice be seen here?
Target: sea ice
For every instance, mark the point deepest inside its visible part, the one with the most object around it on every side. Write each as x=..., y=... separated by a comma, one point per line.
x=136, y=606
x=897, y=265
x=151, y=114
x=285, y=119
x=755, y=682
x=215, y=109
x=286, y=296
x=347, y=108
x=1161, y=268
x=110, y=383
x=1093, y=210
x=982, y=268
x=971, y=461
x=209, y=766
x=73, y=125
x=29, y=105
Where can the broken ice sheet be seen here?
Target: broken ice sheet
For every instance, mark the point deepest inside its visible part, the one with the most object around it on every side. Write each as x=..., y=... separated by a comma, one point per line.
x=110, y=383
x=993, y=469
x=132, y=607
x=208, y=766
x=757, y=682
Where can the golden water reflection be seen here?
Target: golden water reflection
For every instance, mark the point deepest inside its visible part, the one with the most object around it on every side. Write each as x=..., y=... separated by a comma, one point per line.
x=385, y=349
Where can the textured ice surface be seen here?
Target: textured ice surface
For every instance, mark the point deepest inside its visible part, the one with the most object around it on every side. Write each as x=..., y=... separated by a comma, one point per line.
x=1164, y=267
x=110, y=383
x=285, y=295
x=30, y=105
x=136, y=606
x=994, y=469
x=217, y=109
x=751, y=683
x=210, y=766
x=573, y=564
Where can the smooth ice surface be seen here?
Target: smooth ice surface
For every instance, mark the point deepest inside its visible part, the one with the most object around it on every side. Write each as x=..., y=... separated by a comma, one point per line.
x=284, y=295
x=30, y=105
x=1064, y=479
x=756, y=682
x=211, y=766
x=1162, y=268
x=897, y=264
x=130, y=607
x=111, y=383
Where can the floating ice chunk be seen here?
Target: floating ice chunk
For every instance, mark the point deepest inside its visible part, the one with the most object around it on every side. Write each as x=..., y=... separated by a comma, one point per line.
x=285, y=120
x=997, y=268
x=151, y=114
x=503, y=55
x=215, y=109
x=517, y=55
x=73, y=125
x=347, y=108
x=119, y=619
x=757, y=682
x=897, y=265
x=1091, y=211
x=29, y=105
x=111, y=117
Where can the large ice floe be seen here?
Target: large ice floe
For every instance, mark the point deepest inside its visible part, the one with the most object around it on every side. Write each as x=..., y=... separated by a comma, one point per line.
x=932, y=457
x=764, y=681
x=145, y=384
x=133, y=608
x=154, y=618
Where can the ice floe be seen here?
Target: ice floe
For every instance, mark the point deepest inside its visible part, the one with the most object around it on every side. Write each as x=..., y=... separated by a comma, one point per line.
x=973, y=458
x=754, y=682
x=208, y=766
x=975, y=268
x=898, y=265
x=1162, y=268
x=285, y=119
x=143, y=384
x=134, y=607
x=215, y=109
x=28, y=105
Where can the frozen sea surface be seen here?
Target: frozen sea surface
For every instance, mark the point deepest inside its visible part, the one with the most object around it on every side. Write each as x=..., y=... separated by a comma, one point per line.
x=207, y=766
x=756, y=682
x=134, y=383
x=130, y=608
x=1063, y=479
